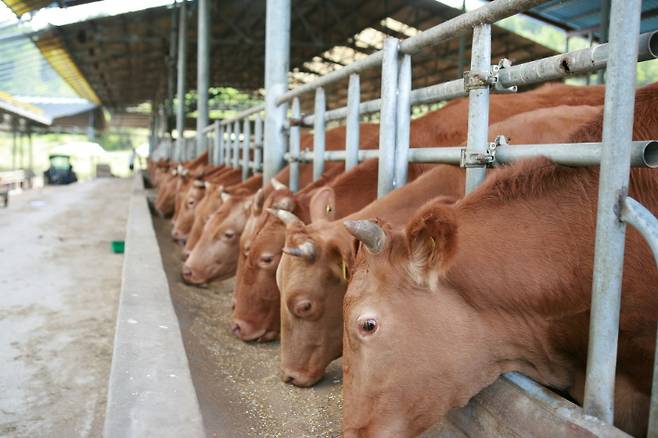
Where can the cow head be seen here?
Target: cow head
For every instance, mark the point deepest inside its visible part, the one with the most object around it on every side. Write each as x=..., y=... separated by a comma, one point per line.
x=410, y=345
x=312, y=278
x=256, y=297
x=210, y=203
x=164, y=201
x=215, y=255
x=185, y=218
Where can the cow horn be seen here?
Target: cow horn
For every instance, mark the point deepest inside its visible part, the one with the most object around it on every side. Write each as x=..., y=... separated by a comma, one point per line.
x=306, y=251
x=369, y=233
x=284, y=216
x=277, y=184
x=199, y=183
x=225, y=196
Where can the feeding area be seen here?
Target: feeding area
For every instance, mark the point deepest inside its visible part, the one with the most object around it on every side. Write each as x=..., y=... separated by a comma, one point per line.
x=355, y=218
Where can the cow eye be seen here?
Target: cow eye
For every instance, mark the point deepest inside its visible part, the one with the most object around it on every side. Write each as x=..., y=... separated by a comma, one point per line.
x=229, y=234
x=367, y=326
x=303, y=308
x=267, y=259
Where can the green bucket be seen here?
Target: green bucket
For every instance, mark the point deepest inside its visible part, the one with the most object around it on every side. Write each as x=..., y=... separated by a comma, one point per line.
x=118, y=246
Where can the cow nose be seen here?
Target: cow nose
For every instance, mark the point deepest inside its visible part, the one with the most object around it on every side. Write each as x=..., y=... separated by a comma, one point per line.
x=289, y=379
x=175, y=234
x=187, y=273
x=236, y=329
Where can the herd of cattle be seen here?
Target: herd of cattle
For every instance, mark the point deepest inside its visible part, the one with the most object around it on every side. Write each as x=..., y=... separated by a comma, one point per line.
x=427, y=294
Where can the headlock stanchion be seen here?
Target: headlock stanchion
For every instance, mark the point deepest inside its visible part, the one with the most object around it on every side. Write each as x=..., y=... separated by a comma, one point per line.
x=615, y=154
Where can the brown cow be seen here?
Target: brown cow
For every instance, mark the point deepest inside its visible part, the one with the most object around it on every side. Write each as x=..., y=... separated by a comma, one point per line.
x=256, y=294
x=215, y=255
x=444, y=293
x=199, y=206
x=165, y=200
x=311, y=338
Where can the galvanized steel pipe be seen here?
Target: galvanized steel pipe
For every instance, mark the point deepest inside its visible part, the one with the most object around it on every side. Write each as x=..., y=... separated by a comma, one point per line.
x=478, y=103
x=610, y=230
x=319, y=134
x=246, y=140
x=203, y=72
x=388, y=115
x=277, y=53
x=403, y=122
x=352, y=122
x=295, y=146
x=180, y=95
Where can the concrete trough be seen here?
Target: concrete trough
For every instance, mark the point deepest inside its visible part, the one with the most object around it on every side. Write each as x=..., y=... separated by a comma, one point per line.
x=177, y=371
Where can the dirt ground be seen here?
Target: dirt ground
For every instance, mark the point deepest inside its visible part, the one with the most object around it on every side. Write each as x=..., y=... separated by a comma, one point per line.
x=59, y=285
x=238, y=386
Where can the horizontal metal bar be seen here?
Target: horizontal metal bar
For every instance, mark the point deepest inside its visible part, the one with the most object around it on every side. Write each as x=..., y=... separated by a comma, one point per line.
x=210, y=128
x=572, y=63
x=246, y=113
x=542, y=70
x=464, y=23
x=643, y=154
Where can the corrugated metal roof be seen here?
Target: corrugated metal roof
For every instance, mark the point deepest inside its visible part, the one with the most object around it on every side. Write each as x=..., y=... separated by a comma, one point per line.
x=586, y=14
x=20, y=7
x=9, y=104
x=59, y=58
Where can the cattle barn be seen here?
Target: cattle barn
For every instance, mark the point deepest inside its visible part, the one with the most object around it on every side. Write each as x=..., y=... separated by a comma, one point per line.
x=357, y=218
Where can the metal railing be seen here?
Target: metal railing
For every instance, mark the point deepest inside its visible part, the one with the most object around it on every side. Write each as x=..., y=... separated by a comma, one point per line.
x=615, y=154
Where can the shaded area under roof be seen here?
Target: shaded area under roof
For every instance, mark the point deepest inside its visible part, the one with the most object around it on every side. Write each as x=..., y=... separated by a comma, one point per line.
x=124, y=58
x=585, y=15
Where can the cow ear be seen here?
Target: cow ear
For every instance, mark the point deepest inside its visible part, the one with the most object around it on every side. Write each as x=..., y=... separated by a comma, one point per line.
x=432, y=237
x=323, y=205
x=259, y=201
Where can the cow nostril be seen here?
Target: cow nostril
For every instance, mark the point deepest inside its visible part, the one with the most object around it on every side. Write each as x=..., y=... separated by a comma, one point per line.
x=186, y=255
x=289, y=379
x=187, y=272
x=235, y=328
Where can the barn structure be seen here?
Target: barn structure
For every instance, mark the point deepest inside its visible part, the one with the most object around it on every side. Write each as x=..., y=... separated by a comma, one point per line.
x=310, y=66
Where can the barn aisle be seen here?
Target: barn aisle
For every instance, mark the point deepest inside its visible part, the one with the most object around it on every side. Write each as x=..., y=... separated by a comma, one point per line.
x=59, y=284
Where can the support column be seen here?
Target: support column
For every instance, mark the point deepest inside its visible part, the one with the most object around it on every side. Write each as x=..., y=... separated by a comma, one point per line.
x=203, y=72
x=388, y=117
x=277, y=53
x=478, y=103
x=613, y=188
x=180, y=107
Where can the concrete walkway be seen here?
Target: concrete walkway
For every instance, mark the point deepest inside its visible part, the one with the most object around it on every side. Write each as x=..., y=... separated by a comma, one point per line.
x=59, y=284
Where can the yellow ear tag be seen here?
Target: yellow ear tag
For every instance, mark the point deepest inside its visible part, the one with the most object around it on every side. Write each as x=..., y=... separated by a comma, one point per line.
x=433, y=243
x=343, y=267
x=328, y=209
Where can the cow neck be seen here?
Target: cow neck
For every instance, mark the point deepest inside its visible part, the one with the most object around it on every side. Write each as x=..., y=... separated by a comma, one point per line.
x=507, y=233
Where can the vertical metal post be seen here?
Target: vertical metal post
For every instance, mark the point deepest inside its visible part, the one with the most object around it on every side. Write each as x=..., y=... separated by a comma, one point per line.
x=388, y=115
x=203, y=72
x=403, y=122
x=246, y=143
x=610, y=230
x=603, y=33
x=258, y=140
x=180, y=109
x=352, y=122
x=318, y=134
x=478, y=103
x=228, y=141
x=295, y=146
x=171, y=83
x=277, y=53
x=30, y=154
x=218, y=151
x=13, y=143
x=21, y=154
x=236, y=144
x=461, y=60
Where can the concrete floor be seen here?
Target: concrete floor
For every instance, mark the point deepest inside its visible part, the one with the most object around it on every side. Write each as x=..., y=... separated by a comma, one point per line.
x=59, y=284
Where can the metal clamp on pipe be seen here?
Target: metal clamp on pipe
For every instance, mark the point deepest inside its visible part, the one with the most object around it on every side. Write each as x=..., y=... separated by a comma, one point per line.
x=480, y=159
x=298, y=121
x=498, y=87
